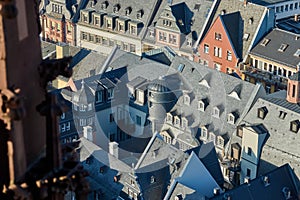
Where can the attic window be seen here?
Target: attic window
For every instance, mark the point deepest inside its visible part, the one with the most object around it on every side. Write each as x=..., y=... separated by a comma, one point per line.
x=140, y=14
x=197, y=6
x=282, y=114
x=297, y=53
x=116, y=8
x=265, y=42
x=216, y=112
x=186, y=100
x=246, y=36
x=230, y=118
x=283, y=47
x=128, y=11
x=104, y=5
x=294, y=126
x=250, y=21
x=204, y=134
x=201, y=106
x=262, y=112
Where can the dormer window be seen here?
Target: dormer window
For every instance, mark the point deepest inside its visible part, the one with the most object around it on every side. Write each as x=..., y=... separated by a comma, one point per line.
x=212, y=137
x=283, y=47
x=169, y=118
x=262, y=112
x=116, y=8
x=220, y=141
x=184, y=123
x=282, y=114
x=186, y=100
x=297, y=53
x=216, y=112
x=104, y=5
x=128, y=11
x=250, y=21
x=177, y=121
x=201, y=106
x=140, y=14
x=99, y=97
x=294, y=126
x=110, y=93
x=84, y=17
x=265, y=42
x=246, y=36
x=231, y=118
x=204, y=133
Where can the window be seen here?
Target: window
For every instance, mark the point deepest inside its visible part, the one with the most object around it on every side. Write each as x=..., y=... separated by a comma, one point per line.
x=82, y=107
x=282, y=114
x=206, y=48
x=262, y=112
x=246, y=36
x=177, y=121
x=220, y=141
x=97, y=21
x=138, y=120
x=294, y=126
x=133, y=30
x=216, y=112
x=97, y=39
x=217, y=66
x=283, y=47
x=230, y=118
x=204, y=133
x=89, y=107
x=111, y=117
x=84, y=36
x=201, y=106
x=128, y=11
x=82, y=122
x=151, y=33
x=249, y=151
x=184, y=123
x=84, y=18
x=218, y=36
x=248, y=173
x=91, y=38
x=108, y=24
x=250, y=21
x=140, y=14
x=99, y=96
x=162, y=36
x=239, y=131
x=212, y=137
x=62, y=128
x=121, y=27
x=229, y=55
x=132, y=48
x=297, y=53
x=172, y=39
x=68, y=126
x=116, y=8
x=296, y=5
x=217, y=52
x=110, y=93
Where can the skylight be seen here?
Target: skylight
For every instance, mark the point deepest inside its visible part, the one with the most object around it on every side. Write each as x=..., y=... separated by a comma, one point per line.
x=283, y=47
x=297, y=53
x=265, y=42
x=246, y=36
x=180, y=67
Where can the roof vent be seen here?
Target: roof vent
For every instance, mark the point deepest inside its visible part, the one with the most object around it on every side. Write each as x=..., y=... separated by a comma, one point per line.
x=266, y=180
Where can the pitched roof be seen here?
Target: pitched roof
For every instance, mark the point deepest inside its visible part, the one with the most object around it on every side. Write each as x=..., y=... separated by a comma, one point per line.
x=269, y=48
x=272, y=185
x=253, y=12
x=208, y=156
x=231, y=23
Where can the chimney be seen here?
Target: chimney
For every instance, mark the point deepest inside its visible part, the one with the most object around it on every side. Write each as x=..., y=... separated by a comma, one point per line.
x=216, y=191
x=114, y=149
x=62, y=50
x=88, y=133
x=245, y=3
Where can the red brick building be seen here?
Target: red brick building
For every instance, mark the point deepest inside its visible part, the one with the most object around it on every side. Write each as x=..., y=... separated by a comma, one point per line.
x=219, y=47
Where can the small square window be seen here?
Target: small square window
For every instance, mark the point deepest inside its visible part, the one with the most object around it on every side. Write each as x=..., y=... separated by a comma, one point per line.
x=206, y=48
x=283, y=47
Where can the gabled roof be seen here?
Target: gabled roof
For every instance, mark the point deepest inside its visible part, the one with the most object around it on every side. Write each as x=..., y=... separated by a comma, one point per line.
x=231, y=24
x=195, y=176
x=270, y=51
x=208, y=156
x=272, y=185
x=251, y=11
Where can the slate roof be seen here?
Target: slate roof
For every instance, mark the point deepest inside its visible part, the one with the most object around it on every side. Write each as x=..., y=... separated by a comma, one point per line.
x=270, y=51
x=289, y=24
x=208, y=156
x=282, y=141
x=226, y=92
x=258, y=189
x=198, y=14
x=147, y=8
x=67, y=9
x=254, y=11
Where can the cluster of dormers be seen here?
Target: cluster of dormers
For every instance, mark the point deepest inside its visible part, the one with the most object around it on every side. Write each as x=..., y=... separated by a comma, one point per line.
x=210, y=136
x=122, y=22
x=294, y=125
x=178, y=121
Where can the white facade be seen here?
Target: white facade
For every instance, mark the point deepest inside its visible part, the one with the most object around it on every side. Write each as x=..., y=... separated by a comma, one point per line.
x=286, y=9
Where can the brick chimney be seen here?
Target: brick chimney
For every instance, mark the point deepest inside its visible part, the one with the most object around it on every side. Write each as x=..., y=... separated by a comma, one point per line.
x=296, y=18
